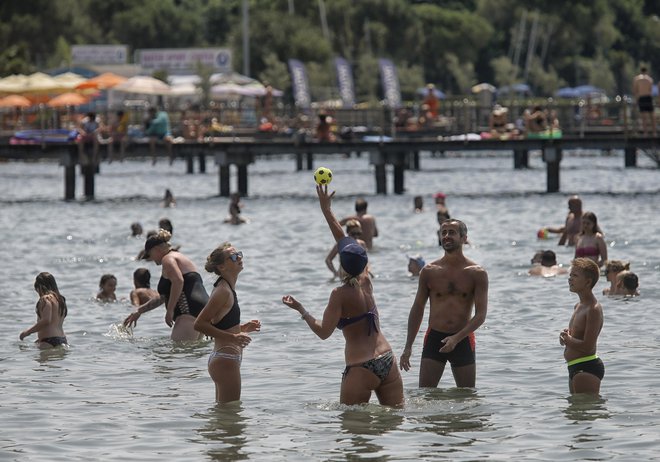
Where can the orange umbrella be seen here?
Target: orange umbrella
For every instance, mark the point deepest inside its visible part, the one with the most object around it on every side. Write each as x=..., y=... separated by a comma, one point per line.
x=67, y=99
x=15, y=101
x=102, y=81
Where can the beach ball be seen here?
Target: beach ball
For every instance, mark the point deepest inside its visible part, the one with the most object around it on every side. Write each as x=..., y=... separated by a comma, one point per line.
x=323, y=175
x=542, y=233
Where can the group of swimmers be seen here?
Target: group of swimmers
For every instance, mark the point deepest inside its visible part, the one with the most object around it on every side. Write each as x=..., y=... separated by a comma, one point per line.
x=455, y=286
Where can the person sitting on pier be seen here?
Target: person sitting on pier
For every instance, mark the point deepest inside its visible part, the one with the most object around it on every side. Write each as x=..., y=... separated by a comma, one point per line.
x=497, y=122
x=324, y=129
x=159, y=130
x=118, y=135
x=536, y=120
x=432, y=102
x=90, y=126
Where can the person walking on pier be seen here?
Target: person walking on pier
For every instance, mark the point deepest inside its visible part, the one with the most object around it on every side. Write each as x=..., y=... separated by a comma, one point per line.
x=454, y=284
x=642, y=91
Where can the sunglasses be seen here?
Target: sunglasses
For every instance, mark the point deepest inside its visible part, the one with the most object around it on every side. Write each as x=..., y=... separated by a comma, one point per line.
x=235, y=256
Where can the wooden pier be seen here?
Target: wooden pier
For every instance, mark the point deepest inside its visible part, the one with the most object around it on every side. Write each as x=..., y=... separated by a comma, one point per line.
x=402, y=154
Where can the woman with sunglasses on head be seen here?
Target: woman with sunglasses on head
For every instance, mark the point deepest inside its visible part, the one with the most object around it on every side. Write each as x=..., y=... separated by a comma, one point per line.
x=221, y=319
x=180, y=287
x=370, y=363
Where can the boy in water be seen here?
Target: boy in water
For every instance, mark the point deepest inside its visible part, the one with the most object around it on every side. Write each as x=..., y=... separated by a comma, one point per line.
x=585, y=369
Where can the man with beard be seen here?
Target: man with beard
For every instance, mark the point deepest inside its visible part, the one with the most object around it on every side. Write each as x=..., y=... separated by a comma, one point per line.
x=454, y=284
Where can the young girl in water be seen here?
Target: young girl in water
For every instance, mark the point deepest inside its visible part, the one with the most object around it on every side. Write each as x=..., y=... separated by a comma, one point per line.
x=108, y=285
x=51, y=311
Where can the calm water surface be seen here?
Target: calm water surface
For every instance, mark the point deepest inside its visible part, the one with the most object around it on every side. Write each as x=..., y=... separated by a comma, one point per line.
x=116, y=396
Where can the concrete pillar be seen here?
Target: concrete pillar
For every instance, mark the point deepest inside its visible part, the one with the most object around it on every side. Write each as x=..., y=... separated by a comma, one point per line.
x=398, y=179
x=242, y=180
x=69, y=182
x=190, y=164
x=310, y=161
x=381, y=179
x=299, y=162
x=202, y=162
x=224, y=180
x=552, y=158
x=631, y=157
x=89, y=172
x=520, y=159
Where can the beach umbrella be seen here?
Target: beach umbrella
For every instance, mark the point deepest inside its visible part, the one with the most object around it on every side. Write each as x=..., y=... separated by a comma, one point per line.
x=567, y=92
x=15, y=101
x=67, y=99
x=40, y=82
x=102, y=81
x=516, y=88
x=254, y=89
x=143, y=85
x=483, y=87
x=584, y=90
x=13, y=83
x=69, y=80
x=423, y=91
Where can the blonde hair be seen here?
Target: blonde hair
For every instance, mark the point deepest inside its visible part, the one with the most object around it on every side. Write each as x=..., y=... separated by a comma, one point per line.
x=216, y=257
x=349, y=279
x=616, y=266
x=589, y=268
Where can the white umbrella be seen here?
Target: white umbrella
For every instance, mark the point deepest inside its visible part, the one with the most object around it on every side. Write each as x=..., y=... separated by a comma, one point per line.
x=143, y=85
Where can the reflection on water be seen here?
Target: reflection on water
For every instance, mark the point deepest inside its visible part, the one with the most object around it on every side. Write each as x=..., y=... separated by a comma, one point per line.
x=584, y=407
x=446, y=411
x=224, y=432
x=361, y=425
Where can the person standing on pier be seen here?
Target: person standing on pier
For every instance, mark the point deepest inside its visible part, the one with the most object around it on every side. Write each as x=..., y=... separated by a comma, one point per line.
x=454, y=284
x=159, y=130
x=642, y=91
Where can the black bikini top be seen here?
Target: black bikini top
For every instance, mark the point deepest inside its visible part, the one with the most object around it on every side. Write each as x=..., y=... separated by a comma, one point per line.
x=233, y=318
x=372, y=316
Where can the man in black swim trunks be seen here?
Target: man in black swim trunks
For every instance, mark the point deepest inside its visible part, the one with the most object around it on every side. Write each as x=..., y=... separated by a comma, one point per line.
x=642, y=91
x=454, y=284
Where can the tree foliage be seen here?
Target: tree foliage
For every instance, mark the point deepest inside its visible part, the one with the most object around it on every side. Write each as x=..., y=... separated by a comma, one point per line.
x=451, y=43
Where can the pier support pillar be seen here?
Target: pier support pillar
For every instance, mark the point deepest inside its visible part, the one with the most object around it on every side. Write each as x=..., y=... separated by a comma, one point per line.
x=398, y=179
x=223, y=179
x=299, y=162
x=89, y=172
x=631, y=157
x=381, y=179
x=69, y=182
x=190, y=167
x=242, y=180
x=202, y=163
x=520, y=159
x=552, y=158
x=310, y=161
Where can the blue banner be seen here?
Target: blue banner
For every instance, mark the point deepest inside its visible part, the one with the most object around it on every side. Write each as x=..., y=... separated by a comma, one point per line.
x=390, y=83
x=300, y=84
x=345, y=82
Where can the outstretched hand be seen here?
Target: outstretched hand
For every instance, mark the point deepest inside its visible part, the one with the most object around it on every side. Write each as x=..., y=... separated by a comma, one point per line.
x=292, y=303
x=325, y=199
x=131, y=319
x=253, y=325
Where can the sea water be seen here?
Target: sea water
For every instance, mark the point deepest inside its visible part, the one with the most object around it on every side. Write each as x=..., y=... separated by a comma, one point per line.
x=116, y=395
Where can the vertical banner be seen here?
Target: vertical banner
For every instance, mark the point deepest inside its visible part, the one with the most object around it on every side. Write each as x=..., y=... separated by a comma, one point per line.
x=300, y=84
x=390, y=83
x=345, y=82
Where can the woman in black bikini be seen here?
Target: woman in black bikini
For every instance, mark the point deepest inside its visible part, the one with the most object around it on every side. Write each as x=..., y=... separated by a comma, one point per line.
x=180, y=287
x=51, y=311
x=221, y=319
x=370, y=364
